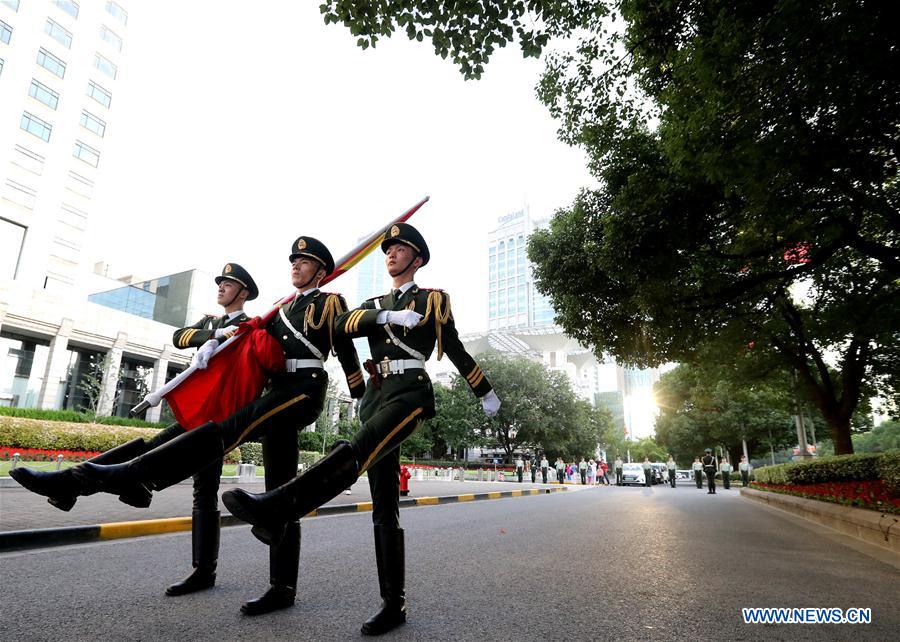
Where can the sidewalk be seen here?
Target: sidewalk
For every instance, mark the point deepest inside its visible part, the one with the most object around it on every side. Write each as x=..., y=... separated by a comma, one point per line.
x=23, y=510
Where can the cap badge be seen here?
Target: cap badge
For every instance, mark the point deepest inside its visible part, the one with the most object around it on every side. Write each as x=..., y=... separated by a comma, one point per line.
x=227, y=269
x=395, y=231
x=301, y=244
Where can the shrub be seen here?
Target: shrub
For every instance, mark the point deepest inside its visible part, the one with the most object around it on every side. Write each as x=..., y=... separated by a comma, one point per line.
x=842, y=468
x=308, y=458
x=75, y=417
x=251, y=453
x=18, y=432
x=889, y=472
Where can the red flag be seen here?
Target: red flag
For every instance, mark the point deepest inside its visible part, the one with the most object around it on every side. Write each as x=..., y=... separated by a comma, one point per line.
x=233, y=378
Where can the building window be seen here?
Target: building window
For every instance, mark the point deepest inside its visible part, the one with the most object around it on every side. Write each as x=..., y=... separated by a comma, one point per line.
x=86, y=153
x=34, y=125
x=106, y=66
x=117, y=12
x=99, y=94
x=5, y=32
x=58, y=33
x=40, y=91
x=51, y=63
x=92, y=123
x=69, y=7
x=12, y=4
x=12, y=236
x=110, y=36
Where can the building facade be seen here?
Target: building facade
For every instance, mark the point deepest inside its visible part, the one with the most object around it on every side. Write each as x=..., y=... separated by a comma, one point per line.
x=59, y=64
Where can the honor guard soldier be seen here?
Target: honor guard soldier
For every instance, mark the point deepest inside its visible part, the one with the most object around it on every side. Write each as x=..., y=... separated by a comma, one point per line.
x=618, y=465
x=744, y=467
x=304, y=329
x=725, y=467
x=520, y=468
x=235, y=287
x=403, y=328
x=697, y=467
x=671, y=466
x=709, y=467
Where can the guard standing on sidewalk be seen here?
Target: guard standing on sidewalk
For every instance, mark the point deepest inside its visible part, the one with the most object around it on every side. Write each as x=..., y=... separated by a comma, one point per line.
x=520, y=468
x=697, y=467
x=545, y=465
x=618, y=464
x=670, y=466
x=745, y=469
x=403, y=328
x=725, y=467
x=648, y=472
x=709, y=467
x=582, y=471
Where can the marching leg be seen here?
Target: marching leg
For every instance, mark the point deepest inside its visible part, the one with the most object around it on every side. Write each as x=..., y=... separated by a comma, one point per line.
x=390, y=557
x=205, y=554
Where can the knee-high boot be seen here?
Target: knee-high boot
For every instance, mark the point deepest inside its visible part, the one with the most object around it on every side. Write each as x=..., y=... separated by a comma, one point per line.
x=205, y=526
x=62, y=487
x=390, y=557
x=284, y=562
x=159, y=468
x=270, y=512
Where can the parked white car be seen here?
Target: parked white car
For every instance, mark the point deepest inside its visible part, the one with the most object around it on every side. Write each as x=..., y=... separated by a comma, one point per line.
x=633, y=474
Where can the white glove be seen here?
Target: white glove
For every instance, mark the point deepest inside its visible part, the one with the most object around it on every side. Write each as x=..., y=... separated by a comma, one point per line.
x=201, y=359
x=153, y=399
x=490, y=403
x=225, y=332
x=406, y=318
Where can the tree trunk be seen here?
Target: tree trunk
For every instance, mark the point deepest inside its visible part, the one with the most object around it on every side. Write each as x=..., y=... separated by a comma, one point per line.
x=840, y=435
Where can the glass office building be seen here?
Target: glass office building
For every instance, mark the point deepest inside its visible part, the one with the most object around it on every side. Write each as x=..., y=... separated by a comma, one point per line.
x=167, y=299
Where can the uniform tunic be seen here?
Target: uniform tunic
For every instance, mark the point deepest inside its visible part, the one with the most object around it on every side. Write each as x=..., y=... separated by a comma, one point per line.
x=392, y=412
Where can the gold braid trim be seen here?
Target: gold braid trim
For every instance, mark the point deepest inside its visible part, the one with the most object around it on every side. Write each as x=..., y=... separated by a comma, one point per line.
x=331, y=308
x=435, y=298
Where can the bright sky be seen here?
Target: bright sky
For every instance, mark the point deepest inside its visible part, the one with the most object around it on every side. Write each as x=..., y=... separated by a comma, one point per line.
x=235, y=130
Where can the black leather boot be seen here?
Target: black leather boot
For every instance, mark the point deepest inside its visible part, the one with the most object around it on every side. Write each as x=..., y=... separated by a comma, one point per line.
x=205, y=554
x=390, y=557
x=270, y=512
x=159, y=468
x=284, y=561
x=62, y=487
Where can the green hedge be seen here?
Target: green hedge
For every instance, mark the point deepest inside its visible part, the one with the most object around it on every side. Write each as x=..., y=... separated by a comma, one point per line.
x=308, y=458
x=251, y=453
x=75, y=417
x=57, y=435
x=889, y=471
x=859, y=467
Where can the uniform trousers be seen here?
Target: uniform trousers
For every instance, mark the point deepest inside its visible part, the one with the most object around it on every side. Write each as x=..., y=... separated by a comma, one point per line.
x=672, y=477
x=710, y=479
x=745, y=478
x=726, y=480
x=698, y=477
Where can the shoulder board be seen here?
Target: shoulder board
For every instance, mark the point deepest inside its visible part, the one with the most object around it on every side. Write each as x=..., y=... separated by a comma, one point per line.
x=432, y=289
x=375, y=298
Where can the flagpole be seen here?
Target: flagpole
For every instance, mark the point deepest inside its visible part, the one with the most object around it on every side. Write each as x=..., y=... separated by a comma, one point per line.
x=346, y=262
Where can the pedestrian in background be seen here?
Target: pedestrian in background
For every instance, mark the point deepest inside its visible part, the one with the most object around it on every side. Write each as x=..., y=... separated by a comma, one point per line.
x=592, y=472
x=745, y=469
x=618, y=464
x=670, y=466
x=725, y=467
x=604, y=467
x=582, y=471
x=697, y=467
x=648, y=472
x=709, y=467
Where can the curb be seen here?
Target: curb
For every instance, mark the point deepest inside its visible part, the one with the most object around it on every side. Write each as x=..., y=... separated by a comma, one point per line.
x=861, y=524
x=64, y=536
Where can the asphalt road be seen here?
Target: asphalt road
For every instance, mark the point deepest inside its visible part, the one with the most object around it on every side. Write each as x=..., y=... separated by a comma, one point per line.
x=597, y=564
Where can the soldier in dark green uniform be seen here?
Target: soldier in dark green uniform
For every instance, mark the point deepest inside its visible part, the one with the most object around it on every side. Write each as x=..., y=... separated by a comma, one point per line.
x=235, y=286
x=403, y=327
x=709, y=467
x=294, y=398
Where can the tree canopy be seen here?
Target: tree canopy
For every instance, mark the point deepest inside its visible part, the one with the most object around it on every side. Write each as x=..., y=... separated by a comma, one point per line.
x=746, y=154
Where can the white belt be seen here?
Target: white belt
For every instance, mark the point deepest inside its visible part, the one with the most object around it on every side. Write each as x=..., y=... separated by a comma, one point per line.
x=398, y=366
x=293, y=365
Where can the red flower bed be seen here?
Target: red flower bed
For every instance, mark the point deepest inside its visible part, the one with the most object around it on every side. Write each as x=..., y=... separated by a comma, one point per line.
x=870, y=494
x=40, y=454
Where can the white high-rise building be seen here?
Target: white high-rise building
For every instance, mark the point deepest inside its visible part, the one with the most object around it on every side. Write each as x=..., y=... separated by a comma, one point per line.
x=513, y=300
x=59, y=64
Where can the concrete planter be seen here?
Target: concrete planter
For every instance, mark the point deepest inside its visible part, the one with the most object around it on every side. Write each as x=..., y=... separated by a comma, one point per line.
x=873, y=527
